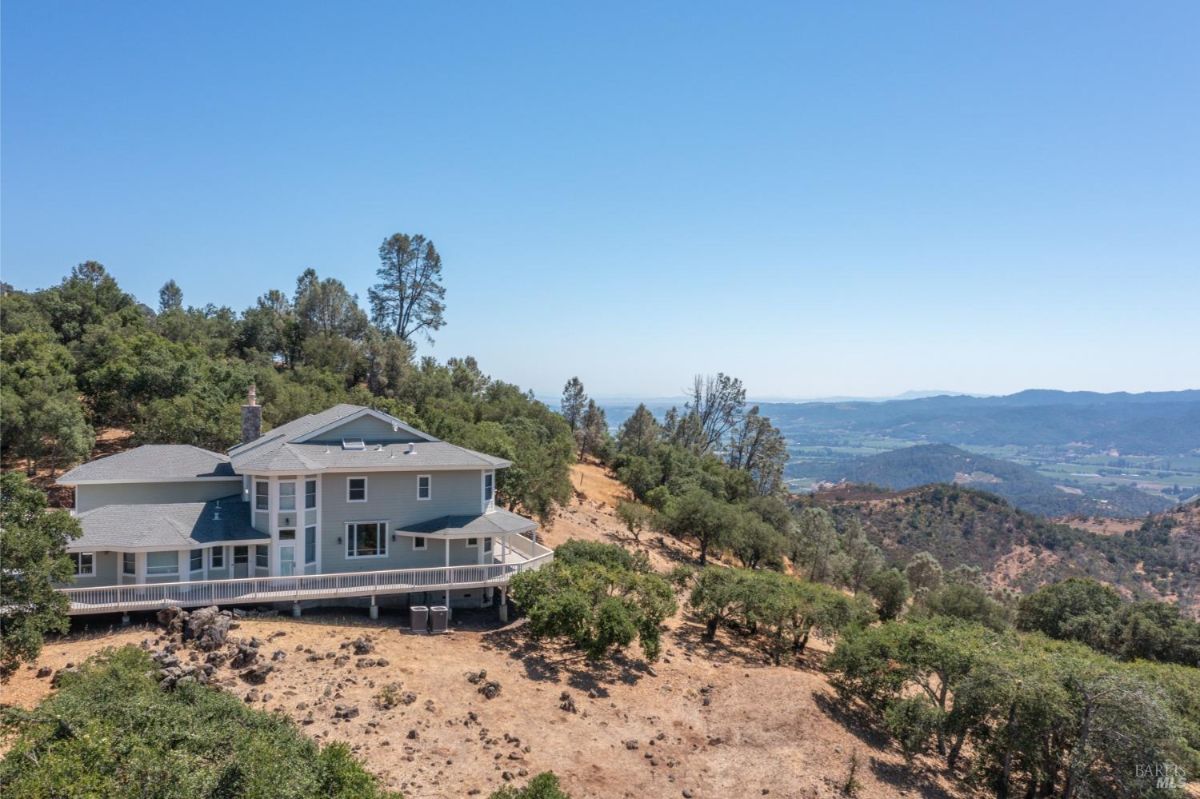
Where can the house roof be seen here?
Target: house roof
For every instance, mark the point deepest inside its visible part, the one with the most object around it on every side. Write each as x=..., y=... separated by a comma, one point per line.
x=153, y=463
x=286, y=449
x=172, y=525
x=496, y=522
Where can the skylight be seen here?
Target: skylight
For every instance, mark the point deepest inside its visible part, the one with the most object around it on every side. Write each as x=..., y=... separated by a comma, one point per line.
x=353, y=443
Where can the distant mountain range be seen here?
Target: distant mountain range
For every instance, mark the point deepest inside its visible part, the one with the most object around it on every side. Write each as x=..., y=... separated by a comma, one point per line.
x=1154, y=423
x=1021, y=485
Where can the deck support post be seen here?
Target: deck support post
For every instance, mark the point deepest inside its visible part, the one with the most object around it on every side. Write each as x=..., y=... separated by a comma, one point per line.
x=295, y=610
x=374, y=609
x=125, y=618
x=504, y=605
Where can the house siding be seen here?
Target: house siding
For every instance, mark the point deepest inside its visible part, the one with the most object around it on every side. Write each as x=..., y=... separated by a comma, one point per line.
x=105, y=568
x=392, y=497
x=89, y=497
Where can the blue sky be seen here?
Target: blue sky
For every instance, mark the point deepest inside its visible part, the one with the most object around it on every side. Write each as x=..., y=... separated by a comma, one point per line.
x=823, y=199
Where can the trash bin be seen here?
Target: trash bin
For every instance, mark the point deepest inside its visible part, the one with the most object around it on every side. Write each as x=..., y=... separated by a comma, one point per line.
x=419, y=616
x=439, y=616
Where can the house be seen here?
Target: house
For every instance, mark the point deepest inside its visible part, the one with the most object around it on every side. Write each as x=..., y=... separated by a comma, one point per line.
x=346, y=505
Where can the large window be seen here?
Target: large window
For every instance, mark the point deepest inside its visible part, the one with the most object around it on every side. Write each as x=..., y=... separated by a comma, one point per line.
x=196, y=560
x=129, y=564
x=241, y=556
x=366, y=539
x=287, y=496
x=424, y=486
x=310, y=494
x=356, y=489
x=310, y=545
x=262, y=557
x=162, y=563
x=262, y=495
x=216, y=558
x=85, y=563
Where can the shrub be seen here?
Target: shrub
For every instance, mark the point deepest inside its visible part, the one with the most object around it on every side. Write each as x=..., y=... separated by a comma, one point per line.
x=111, y=730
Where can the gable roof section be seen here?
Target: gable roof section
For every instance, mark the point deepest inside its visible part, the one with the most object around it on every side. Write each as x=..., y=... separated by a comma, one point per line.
x=153, y=463
x=291, y=448
x=174, y=525
x=330, y=430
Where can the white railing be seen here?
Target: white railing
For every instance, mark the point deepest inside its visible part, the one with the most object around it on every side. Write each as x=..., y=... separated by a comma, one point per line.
x=249, y=590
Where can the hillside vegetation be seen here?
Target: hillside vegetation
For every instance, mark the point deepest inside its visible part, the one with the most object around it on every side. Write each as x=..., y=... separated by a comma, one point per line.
x=1160, y=559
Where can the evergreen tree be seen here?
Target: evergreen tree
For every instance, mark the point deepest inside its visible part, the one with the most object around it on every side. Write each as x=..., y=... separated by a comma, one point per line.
x=409, y=297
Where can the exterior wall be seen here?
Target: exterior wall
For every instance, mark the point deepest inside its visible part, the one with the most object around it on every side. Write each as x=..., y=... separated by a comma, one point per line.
x=392, y=498
x=106, y=564
x=88, y=497
x=370, y=429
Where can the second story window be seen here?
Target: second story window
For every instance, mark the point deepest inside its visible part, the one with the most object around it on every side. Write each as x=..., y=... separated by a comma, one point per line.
x=356, y=489
x=287, y=496
x=310, y=494
x=489, y=488
x=424, y=486
x=262, y=495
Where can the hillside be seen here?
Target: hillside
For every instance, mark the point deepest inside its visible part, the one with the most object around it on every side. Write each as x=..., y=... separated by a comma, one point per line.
x=1021, y=485
x=693, y=724
x=958, y=525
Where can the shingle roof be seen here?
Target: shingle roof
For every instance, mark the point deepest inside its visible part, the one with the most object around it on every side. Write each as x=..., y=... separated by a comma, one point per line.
x=173, y=525
x=482, y=524
x=277, y=451
x=153, y=462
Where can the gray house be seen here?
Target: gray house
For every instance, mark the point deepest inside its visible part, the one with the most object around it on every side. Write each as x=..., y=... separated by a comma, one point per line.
x=346, y=504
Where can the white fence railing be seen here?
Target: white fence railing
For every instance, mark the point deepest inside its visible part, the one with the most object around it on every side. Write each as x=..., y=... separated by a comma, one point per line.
x=298, y=587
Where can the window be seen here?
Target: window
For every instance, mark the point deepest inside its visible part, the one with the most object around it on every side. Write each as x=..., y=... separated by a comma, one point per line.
x=287, y=496
x=310, y=545
x=241, y=556
x=419, y=542
x=366, y=540
x=216, y=558
x=196, y=560
x=85, y=563
x=310, y=494
x=129, y=563
x=487, y=545
x=489, y=488
x=287, y=535
x=262, y=495
x=424, y=486
x=472, y=542
x=262, y=558
x=161, y=563
x=356, y=489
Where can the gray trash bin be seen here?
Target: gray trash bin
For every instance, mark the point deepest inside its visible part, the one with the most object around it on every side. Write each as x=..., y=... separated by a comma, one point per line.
x=439, y=616
x=419, y=616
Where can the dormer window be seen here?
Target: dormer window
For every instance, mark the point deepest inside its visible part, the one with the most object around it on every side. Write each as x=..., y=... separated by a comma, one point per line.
x=424, y=486
x=353, y=443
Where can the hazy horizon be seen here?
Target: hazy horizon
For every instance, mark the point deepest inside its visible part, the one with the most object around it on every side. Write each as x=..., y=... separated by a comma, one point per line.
x=806, y=198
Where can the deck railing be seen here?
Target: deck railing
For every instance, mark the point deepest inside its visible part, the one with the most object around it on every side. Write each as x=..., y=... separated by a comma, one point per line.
x=252, y=590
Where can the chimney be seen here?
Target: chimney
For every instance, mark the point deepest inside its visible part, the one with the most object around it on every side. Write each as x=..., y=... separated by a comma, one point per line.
x=251, y=417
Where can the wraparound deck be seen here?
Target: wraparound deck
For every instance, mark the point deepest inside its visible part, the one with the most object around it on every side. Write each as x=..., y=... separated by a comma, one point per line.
x=263, y=590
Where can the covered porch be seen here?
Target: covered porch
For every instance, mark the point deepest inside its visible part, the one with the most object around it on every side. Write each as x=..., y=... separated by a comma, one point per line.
x=519, y=554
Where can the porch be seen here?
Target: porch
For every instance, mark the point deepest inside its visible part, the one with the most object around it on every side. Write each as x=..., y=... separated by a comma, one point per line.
x=298, y=588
